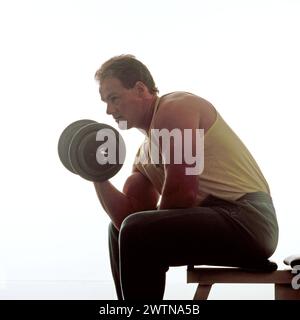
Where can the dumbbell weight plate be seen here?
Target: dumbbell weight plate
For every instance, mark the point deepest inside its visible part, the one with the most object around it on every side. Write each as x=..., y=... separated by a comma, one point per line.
x=65, y=139
x=83, y=148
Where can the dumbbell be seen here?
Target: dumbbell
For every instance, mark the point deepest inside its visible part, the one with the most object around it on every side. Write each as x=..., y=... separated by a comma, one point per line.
x=93, y=150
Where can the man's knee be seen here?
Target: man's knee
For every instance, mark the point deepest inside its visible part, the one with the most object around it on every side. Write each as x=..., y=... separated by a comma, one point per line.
x=112, y=230
x=130, y=223
x=131, y=230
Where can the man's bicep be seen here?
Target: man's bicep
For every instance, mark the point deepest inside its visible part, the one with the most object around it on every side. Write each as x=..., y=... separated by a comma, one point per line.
x=182, y=157
x=141, y=192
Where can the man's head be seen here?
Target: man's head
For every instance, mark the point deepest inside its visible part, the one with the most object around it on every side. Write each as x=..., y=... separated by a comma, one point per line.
x=128, y=70
x=127, y=87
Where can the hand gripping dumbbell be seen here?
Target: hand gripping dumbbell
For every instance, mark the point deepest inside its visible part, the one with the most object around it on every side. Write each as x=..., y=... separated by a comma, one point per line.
x=93, y=150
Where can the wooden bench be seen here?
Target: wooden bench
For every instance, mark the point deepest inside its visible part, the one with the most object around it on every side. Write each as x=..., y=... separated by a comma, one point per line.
x=284, y=285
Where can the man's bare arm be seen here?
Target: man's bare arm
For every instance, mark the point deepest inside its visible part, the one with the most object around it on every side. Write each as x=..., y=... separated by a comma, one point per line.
x=138, y=195
x=180, y=189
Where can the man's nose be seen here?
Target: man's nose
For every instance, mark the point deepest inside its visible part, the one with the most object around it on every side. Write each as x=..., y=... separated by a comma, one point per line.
x=109, y=109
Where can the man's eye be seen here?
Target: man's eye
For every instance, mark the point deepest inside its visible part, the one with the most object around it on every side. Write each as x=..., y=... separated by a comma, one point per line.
x=112, y=99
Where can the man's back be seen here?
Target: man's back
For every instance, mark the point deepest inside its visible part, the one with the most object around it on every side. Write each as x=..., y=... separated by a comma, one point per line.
x=229, y=169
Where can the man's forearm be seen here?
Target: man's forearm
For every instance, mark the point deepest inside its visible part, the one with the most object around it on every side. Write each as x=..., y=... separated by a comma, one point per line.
x=117, y=205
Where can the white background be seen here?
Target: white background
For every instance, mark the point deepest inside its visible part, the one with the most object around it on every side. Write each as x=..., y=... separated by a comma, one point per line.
x=243, y=56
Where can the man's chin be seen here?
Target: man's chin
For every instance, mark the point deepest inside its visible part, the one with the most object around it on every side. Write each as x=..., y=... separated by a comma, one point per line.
x=123, y=124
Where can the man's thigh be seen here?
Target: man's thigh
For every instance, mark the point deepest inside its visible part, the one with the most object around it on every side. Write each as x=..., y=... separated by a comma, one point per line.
x=202, y=235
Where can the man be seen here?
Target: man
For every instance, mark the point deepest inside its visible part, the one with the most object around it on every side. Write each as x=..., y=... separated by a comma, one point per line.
x=221, y=214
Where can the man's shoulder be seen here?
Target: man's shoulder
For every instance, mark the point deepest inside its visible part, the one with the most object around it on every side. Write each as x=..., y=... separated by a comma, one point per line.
x=182, y=101
x=177, y=97
x=180, y=106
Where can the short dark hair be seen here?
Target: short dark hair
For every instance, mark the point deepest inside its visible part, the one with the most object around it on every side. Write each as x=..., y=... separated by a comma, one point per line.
x=128, y=70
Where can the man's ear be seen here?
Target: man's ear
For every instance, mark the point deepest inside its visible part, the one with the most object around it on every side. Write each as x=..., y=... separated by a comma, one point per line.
x=140, y=88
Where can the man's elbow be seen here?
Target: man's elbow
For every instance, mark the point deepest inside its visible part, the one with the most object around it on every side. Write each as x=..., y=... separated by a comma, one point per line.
x=189, y=199
x=179, y=200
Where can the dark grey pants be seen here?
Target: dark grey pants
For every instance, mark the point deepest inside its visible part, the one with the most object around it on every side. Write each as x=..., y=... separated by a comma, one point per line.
x=228, y=233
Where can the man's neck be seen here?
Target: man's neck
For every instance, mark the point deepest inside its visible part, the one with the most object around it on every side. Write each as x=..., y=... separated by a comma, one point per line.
x=149, y=106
